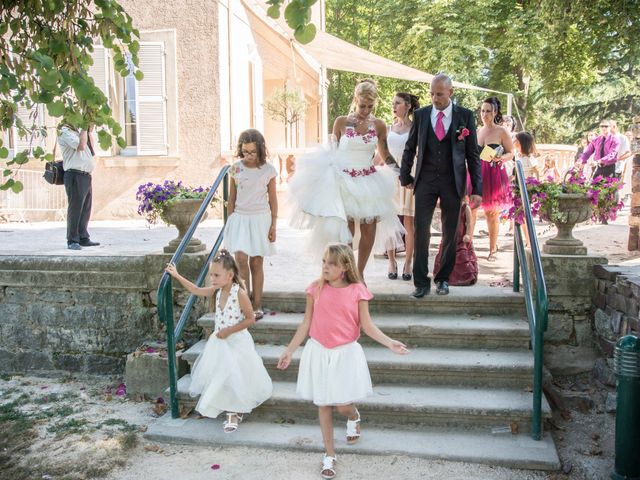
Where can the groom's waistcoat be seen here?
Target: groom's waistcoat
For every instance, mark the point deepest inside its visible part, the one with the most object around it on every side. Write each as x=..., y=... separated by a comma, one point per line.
x=438, y=157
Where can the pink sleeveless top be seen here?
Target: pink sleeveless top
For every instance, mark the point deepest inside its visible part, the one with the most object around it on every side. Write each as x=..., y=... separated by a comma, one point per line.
x=336, y=320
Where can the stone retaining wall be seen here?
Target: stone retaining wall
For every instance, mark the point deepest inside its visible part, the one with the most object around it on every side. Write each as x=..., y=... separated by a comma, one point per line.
x=81, y=314
x=616, y=302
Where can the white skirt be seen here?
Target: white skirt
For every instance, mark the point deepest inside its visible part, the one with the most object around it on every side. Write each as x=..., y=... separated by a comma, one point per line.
x=249, y=233
x=333, y=376
x=324, y=198
x=229, y=376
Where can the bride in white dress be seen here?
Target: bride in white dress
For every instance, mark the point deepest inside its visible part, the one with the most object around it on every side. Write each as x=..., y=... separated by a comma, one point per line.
x=334, y=190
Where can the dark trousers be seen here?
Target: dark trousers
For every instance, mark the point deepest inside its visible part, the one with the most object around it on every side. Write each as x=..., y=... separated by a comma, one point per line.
x=78, y=188
x=428, y=190
x=606, y=171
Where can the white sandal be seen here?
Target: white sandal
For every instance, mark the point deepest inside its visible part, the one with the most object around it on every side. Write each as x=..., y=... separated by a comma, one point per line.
x=230, y=426
x=353, y=433
x=328, y=465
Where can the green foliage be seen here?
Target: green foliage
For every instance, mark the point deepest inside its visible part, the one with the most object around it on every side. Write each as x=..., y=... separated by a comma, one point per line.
x=46, y=49
x=568, y=63
x=297, y=14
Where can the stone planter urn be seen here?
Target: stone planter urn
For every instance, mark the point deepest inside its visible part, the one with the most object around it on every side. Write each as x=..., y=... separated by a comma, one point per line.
x=181, y=213
x=577, y=208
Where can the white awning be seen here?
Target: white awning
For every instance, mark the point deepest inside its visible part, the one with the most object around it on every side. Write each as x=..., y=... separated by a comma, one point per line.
x=337, y=54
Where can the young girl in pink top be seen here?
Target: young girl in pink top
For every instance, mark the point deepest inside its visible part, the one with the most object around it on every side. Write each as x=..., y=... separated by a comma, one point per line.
x=333, y=370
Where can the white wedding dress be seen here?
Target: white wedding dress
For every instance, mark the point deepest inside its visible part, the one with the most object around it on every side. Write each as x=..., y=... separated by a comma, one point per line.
x=335, y=185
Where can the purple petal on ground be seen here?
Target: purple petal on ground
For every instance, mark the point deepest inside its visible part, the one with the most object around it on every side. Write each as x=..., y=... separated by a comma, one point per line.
x=215, y=466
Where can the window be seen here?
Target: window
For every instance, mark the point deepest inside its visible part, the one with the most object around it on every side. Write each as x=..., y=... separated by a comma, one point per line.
x=144, y=109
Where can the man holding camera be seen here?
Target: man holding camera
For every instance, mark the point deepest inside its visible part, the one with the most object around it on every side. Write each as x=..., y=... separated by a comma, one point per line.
x=78, y=159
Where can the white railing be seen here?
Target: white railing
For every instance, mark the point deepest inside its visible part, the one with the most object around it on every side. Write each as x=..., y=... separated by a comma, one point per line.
x=37, y=196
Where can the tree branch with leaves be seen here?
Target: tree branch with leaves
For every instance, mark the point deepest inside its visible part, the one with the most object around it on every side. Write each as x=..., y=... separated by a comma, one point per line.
x=45, y=53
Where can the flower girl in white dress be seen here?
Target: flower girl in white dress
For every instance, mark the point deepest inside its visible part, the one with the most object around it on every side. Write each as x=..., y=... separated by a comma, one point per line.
x=229, y=374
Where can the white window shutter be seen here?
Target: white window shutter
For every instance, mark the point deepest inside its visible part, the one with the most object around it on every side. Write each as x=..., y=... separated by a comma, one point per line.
x=99, y=71
x=151, y=97
x=29, y=119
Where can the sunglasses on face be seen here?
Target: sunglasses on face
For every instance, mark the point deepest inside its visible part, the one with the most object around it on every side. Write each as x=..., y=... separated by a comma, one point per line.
x=604, y=126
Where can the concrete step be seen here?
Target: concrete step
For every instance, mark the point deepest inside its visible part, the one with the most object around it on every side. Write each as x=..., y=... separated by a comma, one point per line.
x=462, y=300
x=506, y=450
x=424, y=330
x=400, y=406
x=423, y=366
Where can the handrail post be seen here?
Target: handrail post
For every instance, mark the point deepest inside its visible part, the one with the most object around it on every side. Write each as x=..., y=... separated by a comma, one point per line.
x=225, y=196
x=516, y=259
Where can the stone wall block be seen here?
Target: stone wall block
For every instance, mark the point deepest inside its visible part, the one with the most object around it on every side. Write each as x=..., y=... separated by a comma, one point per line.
x=620, y=302
x=70, y=363
x=560, y=329
x=634, y=285
x=79, y=315
x=56, y=296
x=602, y=324
x=12, y=313
x=32, y=360
x=616, y=318
x=22, y=296
x=583, y=333
x=633, y=307
x=606, y=346
x=104, y=365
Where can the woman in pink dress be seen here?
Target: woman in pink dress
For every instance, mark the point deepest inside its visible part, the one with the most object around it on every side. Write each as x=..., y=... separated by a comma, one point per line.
x=496, y=190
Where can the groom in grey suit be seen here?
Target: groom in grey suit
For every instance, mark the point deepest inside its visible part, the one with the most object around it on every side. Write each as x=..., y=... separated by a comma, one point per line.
x=444, y=136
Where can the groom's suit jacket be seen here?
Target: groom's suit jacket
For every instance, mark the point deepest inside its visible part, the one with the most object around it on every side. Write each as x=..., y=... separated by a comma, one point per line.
x=462, y=148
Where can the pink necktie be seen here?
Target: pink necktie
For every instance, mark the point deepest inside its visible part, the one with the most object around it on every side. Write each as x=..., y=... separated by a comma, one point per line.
x=440, y=133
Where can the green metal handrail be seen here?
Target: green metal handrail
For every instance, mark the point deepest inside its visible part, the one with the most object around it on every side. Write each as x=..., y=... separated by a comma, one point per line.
x=537, y=307
x=165, y=290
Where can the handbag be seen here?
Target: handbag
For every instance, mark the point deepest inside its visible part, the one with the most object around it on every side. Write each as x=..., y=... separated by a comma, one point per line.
x=54, y=171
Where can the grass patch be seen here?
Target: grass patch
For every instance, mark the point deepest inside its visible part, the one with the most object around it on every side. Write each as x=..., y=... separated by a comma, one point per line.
x=123, y=424
x=69, y=427
x=128, y=440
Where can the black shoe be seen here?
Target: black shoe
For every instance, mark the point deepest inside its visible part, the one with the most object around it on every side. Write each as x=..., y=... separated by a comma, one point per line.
x=442, y=287
x=89, y=243
x=420, y=292
x=406, y=277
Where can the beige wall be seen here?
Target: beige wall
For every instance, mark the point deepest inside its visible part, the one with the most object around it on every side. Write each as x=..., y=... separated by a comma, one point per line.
x=192, y=103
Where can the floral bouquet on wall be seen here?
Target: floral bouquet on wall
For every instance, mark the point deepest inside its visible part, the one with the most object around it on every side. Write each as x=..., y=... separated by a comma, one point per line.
x=155, y=197
x=544, y=197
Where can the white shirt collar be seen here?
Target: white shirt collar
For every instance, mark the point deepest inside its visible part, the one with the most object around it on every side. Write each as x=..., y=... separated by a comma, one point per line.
x=447, y=111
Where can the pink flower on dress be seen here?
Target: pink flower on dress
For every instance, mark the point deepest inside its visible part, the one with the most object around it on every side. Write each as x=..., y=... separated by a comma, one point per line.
x=360, y=173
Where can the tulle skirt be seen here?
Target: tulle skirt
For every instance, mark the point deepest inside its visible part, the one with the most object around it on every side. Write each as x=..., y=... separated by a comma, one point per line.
x=326, y=193
x=496, y=189
x=229, y=376
x=333, y=376
x=249, y=233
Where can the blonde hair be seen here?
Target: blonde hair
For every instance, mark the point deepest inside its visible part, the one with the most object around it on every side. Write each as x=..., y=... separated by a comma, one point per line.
x=343, y=256
x=224, y=258
x=366, y=89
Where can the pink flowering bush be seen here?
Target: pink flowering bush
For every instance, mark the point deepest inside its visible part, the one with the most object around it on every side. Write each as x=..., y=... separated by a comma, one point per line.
x=543, y=197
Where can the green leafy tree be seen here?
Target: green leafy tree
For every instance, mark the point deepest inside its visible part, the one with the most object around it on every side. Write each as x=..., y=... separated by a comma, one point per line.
x=45, y=52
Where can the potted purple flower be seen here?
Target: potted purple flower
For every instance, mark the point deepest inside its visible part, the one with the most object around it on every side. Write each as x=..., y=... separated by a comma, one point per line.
x=574, y=201
x=175, y=204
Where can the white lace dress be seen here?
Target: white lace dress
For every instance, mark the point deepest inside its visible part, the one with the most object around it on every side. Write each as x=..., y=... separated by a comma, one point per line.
x=404, y=197
x=229, y=374
x=336, y=185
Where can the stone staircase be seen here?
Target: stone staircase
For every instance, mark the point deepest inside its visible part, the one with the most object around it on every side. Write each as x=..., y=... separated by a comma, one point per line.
x=469, y=372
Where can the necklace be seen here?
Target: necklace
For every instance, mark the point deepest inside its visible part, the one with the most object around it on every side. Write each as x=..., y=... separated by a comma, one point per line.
x=360, y=121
